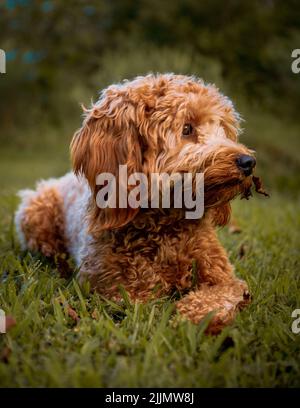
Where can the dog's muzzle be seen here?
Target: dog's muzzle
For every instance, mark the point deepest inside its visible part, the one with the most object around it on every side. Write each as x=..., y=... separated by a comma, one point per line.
x=246, y=164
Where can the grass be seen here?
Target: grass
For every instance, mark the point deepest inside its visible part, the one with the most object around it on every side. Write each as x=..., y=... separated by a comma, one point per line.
x=66, y=336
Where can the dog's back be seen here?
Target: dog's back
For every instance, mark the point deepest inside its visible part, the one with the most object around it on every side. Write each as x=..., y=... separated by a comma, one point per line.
x=51, y=218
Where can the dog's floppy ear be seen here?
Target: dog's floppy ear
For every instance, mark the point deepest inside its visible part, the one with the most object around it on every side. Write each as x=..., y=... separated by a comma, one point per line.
x=109, y=137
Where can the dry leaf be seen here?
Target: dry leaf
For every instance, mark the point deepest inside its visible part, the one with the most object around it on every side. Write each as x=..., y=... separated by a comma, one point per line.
x=247, y=193
x=73, y=314
x=234, y=228
x=259, y=187
x=242, y=251
x=10, y=322
x=5, y=354
x=95, y=314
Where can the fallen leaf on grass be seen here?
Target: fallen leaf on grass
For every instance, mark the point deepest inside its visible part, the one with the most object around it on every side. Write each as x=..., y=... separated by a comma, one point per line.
x=70, y=311
x=95, y=315
x=73, y=314
x=234, y=228
x=242, y=251
x=5, y=354
x=10, y=322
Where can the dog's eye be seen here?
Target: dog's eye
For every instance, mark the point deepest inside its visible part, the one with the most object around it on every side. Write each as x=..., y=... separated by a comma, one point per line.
x=187, y=130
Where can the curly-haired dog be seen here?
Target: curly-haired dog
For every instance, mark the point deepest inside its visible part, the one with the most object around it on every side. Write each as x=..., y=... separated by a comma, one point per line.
x=157, y=123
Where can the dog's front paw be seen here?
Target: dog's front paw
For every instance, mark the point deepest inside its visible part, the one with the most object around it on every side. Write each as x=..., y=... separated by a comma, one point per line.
x=223, y=300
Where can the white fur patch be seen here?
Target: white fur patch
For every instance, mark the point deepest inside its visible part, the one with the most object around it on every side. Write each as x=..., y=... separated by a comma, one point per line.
x=75, y=193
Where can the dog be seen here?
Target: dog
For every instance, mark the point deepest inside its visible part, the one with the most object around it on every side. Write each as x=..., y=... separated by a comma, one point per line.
x=161, y=123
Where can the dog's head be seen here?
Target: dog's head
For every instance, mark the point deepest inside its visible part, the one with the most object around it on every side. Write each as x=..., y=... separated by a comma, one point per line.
x=164, y=123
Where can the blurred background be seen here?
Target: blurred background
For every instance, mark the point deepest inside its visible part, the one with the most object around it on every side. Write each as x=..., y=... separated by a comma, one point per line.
x=61, y=54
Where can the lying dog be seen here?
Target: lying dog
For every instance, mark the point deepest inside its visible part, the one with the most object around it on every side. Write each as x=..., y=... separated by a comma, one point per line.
x=153, y=124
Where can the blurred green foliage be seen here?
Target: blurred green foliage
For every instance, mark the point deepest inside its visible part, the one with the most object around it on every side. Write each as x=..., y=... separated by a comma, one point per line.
x=53, y=47
x=61, y=54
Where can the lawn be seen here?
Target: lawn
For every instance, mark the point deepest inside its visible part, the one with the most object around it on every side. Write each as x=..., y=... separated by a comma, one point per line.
x=66, y=336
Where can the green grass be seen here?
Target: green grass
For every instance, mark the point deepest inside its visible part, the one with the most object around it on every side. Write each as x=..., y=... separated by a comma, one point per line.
x=144, y=345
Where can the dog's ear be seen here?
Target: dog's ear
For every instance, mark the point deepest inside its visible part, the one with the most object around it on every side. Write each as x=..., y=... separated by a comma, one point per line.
x=108, y=138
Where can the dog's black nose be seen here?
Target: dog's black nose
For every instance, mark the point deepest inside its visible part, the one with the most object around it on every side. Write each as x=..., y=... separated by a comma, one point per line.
x=246, y=163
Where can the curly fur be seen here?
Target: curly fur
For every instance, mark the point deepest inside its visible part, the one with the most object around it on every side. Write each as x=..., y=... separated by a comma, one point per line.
x=151, y=252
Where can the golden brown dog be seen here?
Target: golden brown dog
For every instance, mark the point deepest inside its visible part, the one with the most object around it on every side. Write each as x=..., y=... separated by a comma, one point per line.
x=157, y=123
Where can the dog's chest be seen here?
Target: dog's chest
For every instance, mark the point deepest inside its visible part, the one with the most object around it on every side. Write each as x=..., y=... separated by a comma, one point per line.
x=164, y=255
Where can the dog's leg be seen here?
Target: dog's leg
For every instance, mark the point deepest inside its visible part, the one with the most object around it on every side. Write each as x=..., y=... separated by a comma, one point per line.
x=225, y=300
x=40, y=222
x=218, y=290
